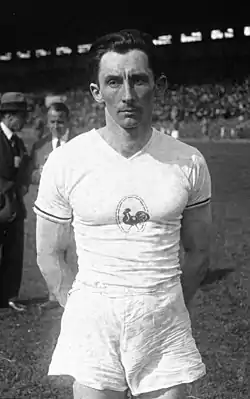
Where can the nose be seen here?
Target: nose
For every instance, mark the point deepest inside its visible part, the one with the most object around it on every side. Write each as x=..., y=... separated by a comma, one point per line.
x=128, y=92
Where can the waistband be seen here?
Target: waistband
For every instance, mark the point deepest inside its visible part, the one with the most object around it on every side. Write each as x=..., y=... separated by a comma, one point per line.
x=116, y=290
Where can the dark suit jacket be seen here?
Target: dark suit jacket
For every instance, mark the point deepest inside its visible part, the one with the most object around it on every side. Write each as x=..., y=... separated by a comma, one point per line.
x=19, y=177
x=39, y=154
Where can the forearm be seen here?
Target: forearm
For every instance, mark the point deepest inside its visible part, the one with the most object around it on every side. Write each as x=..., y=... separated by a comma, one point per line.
x=35, y=176
x=194, y=267
x=57, y=273
x=52, y=241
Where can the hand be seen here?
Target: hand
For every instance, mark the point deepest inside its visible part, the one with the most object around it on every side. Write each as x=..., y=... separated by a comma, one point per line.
x=17, y=162
x=35, y=178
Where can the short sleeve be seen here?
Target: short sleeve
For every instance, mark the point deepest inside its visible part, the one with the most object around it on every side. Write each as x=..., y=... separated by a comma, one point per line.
x=200, y=183
x=52, y=202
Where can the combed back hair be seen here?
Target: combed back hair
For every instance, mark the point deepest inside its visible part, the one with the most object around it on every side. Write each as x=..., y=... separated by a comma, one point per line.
x=59, y=107
x=121, y=42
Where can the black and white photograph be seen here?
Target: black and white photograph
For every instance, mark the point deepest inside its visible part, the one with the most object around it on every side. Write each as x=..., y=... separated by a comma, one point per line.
x=124, y=202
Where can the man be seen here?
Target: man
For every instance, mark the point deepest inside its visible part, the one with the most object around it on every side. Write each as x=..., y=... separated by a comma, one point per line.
x=14, y=182
x=132, y=193
x=58, y=123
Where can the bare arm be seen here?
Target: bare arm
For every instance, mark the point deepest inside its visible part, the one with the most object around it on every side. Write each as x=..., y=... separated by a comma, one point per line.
x=195, y=239
x=35, y=167
x=52, y=241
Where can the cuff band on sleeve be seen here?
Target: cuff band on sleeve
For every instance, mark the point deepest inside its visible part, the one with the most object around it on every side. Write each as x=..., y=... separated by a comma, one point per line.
x=51, y=217
x=206, y=201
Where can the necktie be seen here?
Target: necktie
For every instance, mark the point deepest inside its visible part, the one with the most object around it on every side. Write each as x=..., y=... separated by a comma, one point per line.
x=14, y=145
x=58, y=143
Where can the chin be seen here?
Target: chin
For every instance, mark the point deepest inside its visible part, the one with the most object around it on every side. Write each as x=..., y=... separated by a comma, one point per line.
x=130, y=124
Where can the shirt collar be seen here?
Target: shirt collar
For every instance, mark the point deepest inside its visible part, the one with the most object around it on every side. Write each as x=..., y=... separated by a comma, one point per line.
x=8, y=133
x=63, y=139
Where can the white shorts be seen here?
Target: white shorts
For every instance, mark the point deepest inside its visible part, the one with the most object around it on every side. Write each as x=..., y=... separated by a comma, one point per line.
x=124, y=340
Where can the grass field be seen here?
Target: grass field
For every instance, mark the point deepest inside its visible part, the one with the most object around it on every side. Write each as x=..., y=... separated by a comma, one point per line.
x=220, y=315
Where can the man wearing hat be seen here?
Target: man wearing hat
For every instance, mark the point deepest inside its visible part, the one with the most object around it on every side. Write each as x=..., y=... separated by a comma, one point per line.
x=59, y=132
x=14, y=181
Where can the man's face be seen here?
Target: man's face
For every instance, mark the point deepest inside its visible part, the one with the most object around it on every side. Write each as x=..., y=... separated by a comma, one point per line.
x=126, y=85
x=57, y=123
x=17, y=121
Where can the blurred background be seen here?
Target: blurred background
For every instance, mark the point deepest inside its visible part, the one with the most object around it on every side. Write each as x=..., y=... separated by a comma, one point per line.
x=206, y=64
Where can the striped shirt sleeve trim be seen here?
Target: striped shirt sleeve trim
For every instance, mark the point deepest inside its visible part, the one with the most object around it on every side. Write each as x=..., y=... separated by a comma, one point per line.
x=51, y=217
x=206, y=201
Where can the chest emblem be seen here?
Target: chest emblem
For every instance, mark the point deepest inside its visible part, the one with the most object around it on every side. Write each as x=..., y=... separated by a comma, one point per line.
x=131, y=213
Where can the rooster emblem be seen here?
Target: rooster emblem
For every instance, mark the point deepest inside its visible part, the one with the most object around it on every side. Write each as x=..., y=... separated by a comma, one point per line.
x=139, y=217
x=130, y=214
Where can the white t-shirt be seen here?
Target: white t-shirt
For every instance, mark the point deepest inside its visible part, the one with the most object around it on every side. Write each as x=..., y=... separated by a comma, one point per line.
x=126, y=212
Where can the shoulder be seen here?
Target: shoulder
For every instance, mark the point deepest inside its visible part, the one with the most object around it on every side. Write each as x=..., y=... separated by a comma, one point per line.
x=77, y=149
x=78, y=146
x=72, y=134
x=76, y=139
x=38, y=145
x=173, y=150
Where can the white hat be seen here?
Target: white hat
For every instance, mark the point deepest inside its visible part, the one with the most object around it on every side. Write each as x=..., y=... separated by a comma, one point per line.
x=50, y=99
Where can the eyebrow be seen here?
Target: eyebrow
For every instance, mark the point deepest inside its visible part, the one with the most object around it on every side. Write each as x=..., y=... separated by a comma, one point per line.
x=131, y=75
x=113, y=76
x=140, y=75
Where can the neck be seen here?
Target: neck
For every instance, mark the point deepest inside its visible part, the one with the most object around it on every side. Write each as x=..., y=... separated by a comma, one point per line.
x=126, y=142
x=58, y=136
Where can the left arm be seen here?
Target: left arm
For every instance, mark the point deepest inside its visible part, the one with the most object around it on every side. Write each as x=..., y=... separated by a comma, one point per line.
x=196, y=228
x=195, y=239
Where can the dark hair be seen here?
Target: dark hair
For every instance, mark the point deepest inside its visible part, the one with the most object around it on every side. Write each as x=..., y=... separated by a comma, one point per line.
x=59, y=107
x=121, y=42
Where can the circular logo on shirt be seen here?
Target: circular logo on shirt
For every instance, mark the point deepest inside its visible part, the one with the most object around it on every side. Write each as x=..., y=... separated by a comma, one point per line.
x=132, y=213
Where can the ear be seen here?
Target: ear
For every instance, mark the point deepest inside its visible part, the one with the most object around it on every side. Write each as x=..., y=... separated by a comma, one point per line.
x=8, y=117
x=96, y=92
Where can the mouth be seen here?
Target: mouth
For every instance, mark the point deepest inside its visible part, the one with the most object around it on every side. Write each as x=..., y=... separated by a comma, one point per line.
x=129, y=111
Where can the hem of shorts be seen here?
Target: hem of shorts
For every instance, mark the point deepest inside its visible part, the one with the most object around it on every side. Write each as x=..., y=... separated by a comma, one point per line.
x=98, y=387
x=173, y=384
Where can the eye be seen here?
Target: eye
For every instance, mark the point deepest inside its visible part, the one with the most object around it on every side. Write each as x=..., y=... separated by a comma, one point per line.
x=139, y=80
x=113, y=83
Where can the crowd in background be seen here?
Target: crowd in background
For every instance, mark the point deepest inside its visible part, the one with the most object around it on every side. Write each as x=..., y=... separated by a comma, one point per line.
x=210, y=101
x=221, y=110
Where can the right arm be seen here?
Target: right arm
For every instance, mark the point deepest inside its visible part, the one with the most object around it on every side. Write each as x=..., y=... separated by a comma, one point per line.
x=51, y=245
x=53, y=231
